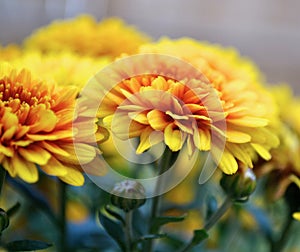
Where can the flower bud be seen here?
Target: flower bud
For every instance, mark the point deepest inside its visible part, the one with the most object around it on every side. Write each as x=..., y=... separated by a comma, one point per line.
x=4, y=221
x=240, y=185
x=128, y=195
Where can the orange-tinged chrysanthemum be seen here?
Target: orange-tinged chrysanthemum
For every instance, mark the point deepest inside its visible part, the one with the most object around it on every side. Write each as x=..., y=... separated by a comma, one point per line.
x=248, y=108
x=36, y=121
x=84, y=36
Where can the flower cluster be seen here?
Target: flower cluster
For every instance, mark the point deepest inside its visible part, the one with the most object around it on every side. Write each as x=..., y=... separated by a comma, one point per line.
x=76, y=89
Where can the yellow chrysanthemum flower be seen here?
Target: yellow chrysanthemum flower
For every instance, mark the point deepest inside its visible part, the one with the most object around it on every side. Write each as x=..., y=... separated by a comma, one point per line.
x=83, y=35
x=285, y=163
x=65, y=68
x=36, y=120
x=247, y=106
x=9, y=52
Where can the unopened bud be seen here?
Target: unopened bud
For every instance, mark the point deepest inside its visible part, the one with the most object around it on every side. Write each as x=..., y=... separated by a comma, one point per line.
x=240, y=185
x=128, y=195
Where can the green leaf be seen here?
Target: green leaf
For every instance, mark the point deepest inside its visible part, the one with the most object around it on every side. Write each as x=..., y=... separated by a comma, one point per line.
x=199, y=236
x=10, y=212
x=162, y=220
x=27, y=245
x=113, y=228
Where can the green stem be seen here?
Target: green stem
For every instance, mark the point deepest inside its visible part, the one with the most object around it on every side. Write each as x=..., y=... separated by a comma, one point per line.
x=2, y=180
x=164, y=165
x=2, y=177
x=278, y=245
x=219, y=213
x=212, y=220
x=62, y=215
x=128, y=230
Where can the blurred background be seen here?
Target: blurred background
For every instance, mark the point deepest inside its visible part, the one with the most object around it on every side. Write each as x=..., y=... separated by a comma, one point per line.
x=268, y=31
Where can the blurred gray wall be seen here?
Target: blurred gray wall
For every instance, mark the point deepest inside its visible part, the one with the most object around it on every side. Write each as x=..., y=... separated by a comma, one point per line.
x=268, y=31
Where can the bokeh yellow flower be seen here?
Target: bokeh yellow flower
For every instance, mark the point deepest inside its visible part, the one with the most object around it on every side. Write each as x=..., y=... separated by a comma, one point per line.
x=36, y=120
x=297, y=216
x=65, y=68
x=11, y=51
x=84, y=36
x=284, y=167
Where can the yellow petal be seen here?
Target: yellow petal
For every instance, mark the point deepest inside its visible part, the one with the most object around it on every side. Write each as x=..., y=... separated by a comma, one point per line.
x=7, y=164
x=262, y=151
x=9, y=133
x=144, y=141
x=140, y=117
x=54, y=148
x=23, y=143
x=248, y=121
x=241, y=152
x=10, y=120
x=54, y=168
x=73, y=177
x=44, y=120
x=228, y=164
x=61, y=134
x=234, y=136
x=158, y=120
x=35, y=154
x=7, y=151
x=27, y=171
x=81, y=154
x=205, y=140
x=174, y=139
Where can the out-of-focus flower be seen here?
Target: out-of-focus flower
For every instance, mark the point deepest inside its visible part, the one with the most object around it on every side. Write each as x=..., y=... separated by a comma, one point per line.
x=65, y=68
x=83, y=35
x=217, y=63
x=284, y=167
x=36, y=120
x=297, y=216
x=9, y=52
